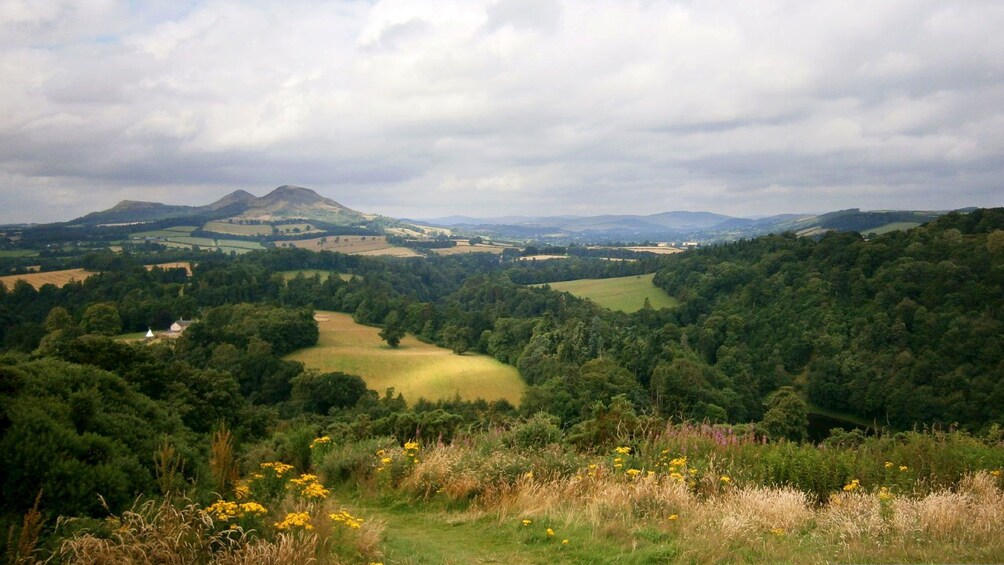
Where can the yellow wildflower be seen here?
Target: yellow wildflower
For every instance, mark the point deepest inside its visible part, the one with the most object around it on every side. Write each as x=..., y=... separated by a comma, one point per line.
x=223, y=510
x=623, y=450
x=725, y=479
x=852, y=486
x=527, y=521
x=777, y=531
x=295, y=520
x=320, y=441
x=564, y=541
x=888, y=464
x=632, y=473
x=996, y=472
x=242, y=491
x=315, y=490
x=903, y=467
x=678, y=462
x=304, y=479
x=672, y=517
x=550, y=533
x=386, y=460
x=279, y=468
x=884, y=494
x=252, y=508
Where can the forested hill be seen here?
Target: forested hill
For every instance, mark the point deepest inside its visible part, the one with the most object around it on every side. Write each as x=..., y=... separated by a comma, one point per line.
x=904, y=328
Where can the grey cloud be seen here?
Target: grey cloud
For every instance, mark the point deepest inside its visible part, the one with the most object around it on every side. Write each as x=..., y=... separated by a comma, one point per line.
x=461, y=106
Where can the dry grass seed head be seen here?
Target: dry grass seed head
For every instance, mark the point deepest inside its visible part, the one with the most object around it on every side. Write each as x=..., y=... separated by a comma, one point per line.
x=852, y=515
x=753, y=511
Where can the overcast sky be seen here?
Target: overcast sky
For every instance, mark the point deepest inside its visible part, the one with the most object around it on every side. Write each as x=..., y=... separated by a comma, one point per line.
x=431, y=108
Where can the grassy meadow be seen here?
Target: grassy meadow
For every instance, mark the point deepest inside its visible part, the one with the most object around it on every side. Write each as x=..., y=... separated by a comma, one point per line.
x=682, y=494
x=351, y=245
x=251, y=230
x=175, y=231
x=894, y=226
x=626, y=294
x=415, y=369
x=464, y=246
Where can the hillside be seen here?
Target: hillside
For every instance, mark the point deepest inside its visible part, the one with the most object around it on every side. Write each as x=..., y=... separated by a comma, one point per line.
x=703, y=227
x=283, y=203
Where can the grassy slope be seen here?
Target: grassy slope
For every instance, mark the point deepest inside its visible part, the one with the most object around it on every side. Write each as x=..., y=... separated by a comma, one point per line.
x=426, y=535
x=626, y=294
x=254, y=229
x=895, y=226
x=415, y=369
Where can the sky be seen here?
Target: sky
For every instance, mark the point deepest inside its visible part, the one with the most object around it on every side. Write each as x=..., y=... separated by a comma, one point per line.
x=497, y=107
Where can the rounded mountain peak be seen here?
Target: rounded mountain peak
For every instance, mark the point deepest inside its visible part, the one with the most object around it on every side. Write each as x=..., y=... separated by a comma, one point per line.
x=296, y=194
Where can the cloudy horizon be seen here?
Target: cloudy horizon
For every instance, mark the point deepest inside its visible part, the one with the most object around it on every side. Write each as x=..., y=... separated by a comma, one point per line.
x=486, y=108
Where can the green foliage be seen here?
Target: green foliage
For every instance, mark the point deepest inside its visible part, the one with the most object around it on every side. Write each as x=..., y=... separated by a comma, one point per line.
x=903, y=328
x=284, y=330
x=320, y=392
x=393, y=330
x=537, y=432
x=787, y=416
x=102, y=319
x=76, y=432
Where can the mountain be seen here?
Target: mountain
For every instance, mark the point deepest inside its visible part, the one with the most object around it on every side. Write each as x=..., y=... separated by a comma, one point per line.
x=235, y=198
x=682, y=225
x=284, y=203
x=295, y=202
x=132, y=211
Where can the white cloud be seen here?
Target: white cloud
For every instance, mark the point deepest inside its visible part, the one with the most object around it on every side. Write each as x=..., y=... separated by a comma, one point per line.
x=498, y=106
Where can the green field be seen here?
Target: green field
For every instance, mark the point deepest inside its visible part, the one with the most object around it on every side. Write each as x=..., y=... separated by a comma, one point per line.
x=309, y=273
x=626, y=294
x=13, y=253
x=225, y=245
x=895, y=226
x=174, y=231
x=261, y=229
x=415, y=369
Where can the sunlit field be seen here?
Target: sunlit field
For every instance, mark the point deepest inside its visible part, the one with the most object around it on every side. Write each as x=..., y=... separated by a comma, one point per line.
x=415, y=369
x=626, y=294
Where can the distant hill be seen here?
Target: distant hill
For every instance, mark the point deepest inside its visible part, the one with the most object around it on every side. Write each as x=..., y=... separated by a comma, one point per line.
x=297, y=203
x=682, y=225
x=284, y=203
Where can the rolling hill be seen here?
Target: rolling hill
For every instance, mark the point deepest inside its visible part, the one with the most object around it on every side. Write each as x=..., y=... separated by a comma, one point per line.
x=703, y=227
x=284, y=203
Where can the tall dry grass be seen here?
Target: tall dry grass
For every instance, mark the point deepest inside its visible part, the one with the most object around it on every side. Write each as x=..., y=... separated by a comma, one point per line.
x=716, y=519
x=223, y=465
x=22, y=547
x=162, y=532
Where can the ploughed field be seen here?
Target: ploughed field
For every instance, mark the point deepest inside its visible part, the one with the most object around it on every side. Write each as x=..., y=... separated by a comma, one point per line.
x=626, y=294
x=415, y=369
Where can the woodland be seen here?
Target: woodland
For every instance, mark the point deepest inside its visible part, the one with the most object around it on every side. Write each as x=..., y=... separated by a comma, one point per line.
x=897, y=336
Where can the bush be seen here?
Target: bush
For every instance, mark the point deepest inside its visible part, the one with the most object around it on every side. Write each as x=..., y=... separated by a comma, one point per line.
x=539, y=431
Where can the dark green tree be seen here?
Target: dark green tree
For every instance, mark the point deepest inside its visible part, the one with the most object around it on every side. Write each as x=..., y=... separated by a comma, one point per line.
x=787, y=416
x=393, y=329
x=102, y=318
